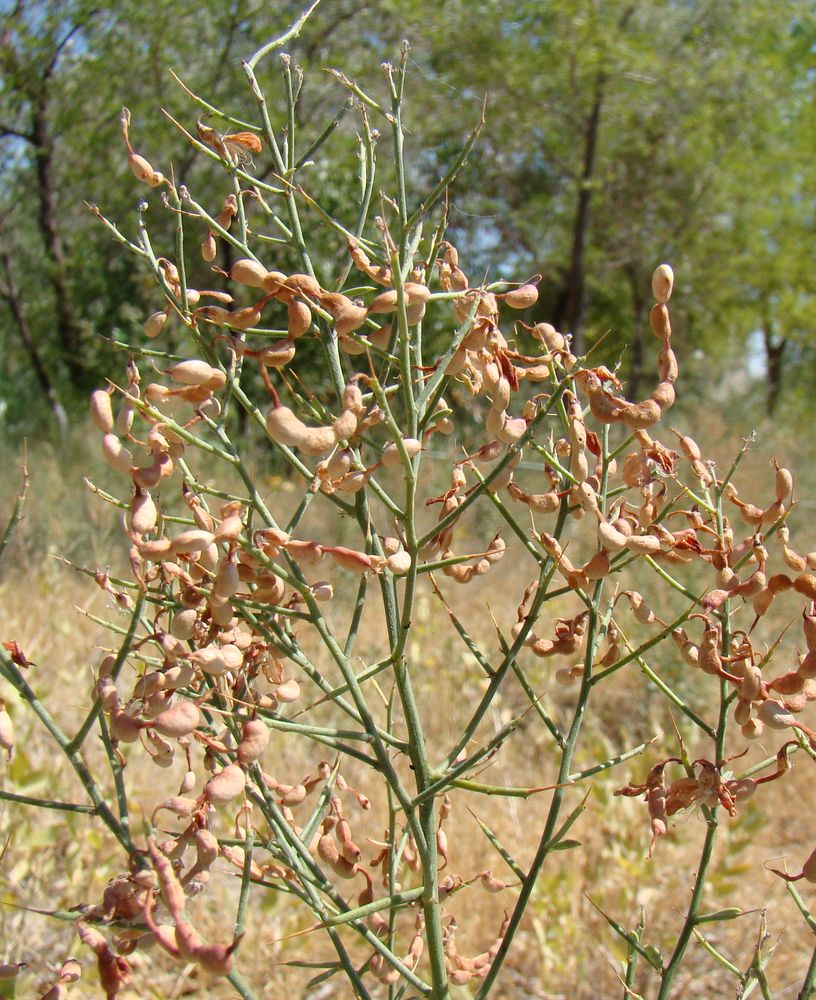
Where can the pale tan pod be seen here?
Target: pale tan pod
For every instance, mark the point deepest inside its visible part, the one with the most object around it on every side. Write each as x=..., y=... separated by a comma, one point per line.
x=209, y=248
x=254, y=740
x=278, y=354
x=317, y=441
x=385, y=302
x=102, y=411
x=248, y=272
x=193, y=540
x=349, y=318
x=180, y=719
x=345, y=426
x=193, y=372
x=513, y=429
x=664, y=395
x=322, y=590
x=143, y=513
x=659, y=322
x=662, y=283
x=284, y=427
x=399, y=562
x=228, y=784
x=227, y=581
x=116, y=454
x=522, y=297
x=184, y=623
x=643, y=544
x=298, y=319
x=288, y=692
x=154, y=323
x=178, y=676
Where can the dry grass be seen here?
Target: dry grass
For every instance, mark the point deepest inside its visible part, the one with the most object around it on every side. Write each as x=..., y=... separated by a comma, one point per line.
x=56, y=860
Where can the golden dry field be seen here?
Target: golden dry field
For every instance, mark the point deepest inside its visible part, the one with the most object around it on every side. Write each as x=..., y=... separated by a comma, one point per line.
x=56, y=860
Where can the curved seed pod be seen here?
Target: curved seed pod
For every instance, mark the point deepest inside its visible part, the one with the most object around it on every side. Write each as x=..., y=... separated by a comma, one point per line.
x=193, y=372
x=742, y=712
x=399, y=562
x=143, y=513
x=154, y=323
x=275, y=284
x=102, y=411
x=180, y=719
x=298, y=319
x=193, y=540
x=254, y=740
x=385, y=302
x=209, y=248
x=116, y=454
x=123, y=727
x=288, y=692
x=775, y=715
x=790, y=683
x=784, y=482
x=805, y=584
x=512, y=430
x=278, y=354
x=316, y=441
x=751, y=686
x=345, y=426
x=227, y=580
x=611, y=539
x=339, y=463
x=662, y=283
x=639, y=416
x=642, y=544
x=664, y=395
x=659, y=322
x=521, y=298
x=248, y=272
x=284, y=427
x=390, y=453
x=184, y=623
x=228, y=784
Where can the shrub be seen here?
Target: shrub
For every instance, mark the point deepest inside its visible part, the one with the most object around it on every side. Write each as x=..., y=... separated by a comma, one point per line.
x=243, y=621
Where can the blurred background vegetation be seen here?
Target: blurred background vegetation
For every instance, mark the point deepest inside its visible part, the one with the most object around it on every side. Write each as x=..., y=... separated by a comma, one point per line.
x=618, y=134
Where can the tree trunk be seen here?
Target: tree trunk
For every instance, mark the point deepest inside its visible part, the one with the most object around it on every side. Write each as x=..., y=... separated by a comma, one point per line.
x=774, y=360
x=570, y=312
x=11, y=294
x=67, y=328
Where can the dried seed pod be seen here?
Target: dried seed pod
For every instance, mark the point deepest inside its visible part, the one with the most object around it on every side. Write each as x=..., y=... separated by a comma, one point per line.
x=116, y=454
x=224, y=786
x=193, y=540
x=662, y=283
x=143, y=513
x=659, y=322
x=101, y=410
x=180, y=719
x=249, y=272
x=522, y=297
x=254, y=740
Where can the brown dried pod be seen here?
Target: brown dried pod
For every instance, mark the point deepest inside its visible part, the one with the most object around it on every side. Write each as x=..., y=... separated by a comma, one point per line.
x=298, y=319
x=522, y=297
x=249, y=272
x=224, y=786
x=180, y=719
x=659, y=322
x=254, y=740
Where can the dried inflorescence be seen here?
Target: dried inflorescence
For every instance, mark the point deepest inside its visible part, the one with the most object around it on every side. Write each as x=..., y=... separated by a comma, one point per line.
x=239, y=635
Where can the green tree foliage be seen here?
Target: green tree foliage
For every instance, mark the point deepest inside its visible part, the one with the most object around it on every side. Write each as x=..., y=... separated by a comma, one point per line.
x=617, y=134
